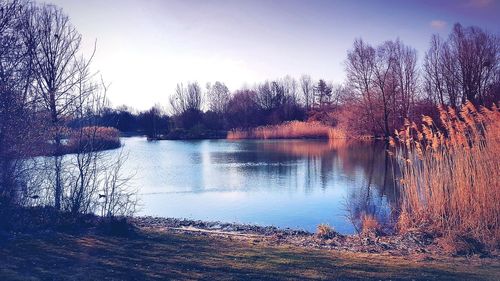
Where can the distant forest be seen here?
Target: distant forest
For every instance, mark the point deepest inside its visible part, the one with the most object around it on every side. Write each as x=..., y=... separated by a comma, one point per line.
x=385, y=85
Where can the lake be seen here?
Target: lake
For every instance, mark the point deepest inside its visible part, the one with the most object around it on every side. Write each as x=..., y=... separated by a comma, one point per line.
x=285, y=183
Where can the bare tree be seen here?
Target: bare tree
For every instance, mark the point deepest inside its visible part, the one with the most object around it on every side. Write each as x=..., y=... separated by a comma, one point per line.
x=307, y=88
x=433, y=71
x=266, y=96
x=20, y=132
x=84, y=166
x=44, y=83
x=291, y=89
x=116, y=198
x=186, y=98
x=478, y=57
x=95, y=178
x=340, y=95
x=464, y=67
x=360, y=70
x=58, y=70
x=384, y=80
x=405, y=69
x=218, y=96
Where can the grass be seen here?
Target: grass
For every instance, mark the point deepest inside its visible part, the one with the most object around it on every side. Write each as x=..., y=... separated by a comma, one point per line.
x=450, y=174
x=167, y=256
x=289, y=130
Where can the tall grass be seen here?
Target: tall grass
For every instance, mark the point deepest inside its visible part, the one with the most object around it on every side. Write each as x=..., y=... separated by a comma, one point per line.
x=451, y=174
x=93, y=138
x=289, y=130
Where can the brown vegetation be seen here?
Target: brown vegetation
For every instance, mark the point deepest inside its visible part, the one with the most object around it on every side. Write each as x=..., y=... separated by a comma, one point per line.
x=304, y=148
x=450, y=174
x=324, y=231
x=94, y=138
x=289, y=130
x=369, y=225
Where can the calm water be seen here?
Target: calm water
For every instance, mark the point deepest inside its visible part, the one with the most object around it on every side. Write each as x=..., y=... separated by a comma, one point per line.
x=285, y=183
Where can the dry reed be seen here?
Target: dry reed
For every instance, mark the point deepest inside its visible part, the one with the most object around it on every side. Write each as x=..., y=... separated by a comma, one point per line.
x=289, y=130
x=369, y=225
x=94, y=138
x=450, y=174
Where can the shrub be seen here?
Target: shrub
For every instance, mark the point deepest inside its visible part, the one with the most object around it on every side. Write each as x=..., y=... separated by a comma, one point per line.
x=450, y=174
x=324, y=231
x=369, y=225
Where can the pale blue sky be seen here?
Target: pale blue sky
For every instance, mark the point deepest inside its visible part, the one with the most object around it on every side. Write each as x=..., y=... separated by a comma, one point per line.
x=145, y=47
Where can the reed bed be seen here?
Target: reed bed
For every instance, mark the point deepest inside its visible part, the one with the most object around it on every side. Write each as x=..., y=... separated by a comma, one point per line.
x=94, y=138
x=289, y=130
x=450, y=174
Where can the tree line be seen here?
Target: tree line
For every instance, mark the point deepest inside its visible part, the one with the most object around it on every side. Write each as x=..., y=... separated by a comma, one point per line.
x=214, y=108
x=384, y=86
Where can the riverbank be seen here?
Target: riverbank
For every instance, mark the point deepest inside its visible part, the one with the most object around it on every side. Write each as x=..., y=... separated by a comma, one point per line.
x=421, y=244
x=160, y=254
x=41, y=243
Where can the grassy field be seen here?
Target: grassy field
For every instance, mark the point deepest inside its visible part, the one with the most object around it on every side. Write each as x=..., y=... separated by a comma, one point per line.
x=153, y=255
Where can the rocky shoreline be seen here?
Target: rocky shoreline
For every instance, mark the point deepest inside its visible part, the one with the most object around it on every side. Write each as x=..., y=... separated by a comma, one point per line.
x=412, y=243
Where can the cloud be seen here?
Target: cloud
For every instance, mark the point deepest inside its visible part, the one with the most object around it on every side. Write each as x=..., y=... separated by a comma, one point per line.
x=437, y=24
x=479, y=3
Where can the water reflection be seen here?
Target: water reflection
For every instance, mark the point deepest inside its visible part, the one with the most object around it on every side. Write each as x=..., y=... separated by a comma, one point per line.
x=288, y=183
x=376, y=195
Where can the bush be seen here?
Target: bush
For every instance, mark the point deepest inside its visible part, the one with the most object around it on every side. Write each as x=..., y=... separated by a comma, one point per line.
x=370, y=225
x=324, y=231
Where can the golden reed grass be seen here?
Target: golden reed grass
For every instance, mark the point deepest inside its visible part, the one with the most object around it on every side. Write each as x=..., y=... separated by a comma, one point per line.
x=289, y=130
x=94, y=138
x=450, y=174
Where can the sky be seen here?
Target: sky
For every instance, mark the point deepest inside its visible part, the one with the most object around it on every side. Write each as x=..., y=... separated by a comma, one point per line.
x=146, y=47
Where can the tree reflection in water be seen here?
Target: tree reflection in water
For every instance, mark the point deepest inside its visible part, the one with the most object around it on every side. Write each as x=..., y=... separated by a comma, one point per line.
x=376, y=195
